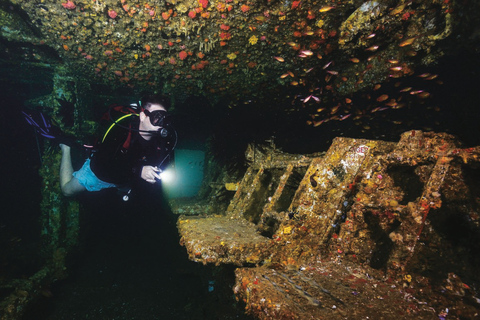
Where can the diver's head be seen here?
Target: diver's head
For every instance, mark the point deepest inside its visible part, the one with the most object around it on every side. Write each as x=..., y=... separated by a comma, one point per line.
x=153, y=114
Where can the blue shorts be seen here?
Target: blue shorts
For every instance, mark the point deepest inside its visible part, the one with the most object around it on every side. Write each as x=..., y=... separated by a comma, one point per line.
x=89, y=180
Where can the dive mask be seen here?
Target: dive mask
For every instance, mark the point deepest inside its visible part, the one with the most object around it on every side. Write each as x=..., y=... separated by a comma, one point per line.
x=157, y=117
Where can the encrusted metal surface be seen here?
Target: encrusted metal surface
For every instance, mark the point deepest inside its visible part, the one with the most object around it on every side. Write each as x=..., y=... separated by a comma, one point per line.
x=326, y=290
x=363, y=232
x=221, y=239
x=243, y=48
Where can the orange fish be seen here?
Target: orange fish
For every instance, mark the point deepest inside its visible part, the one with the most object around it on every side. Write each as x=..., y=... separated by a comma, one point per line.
x=355, y=60
x=325, y=9
x=398, y=68
x=284, y=75
x=335, y=109
x=327, y=65
x=306, y=52
x=377, y=86
x=423, y=95
x=372, y=48
x=416, y=92
x=383, y=97
x=396, y=75
x=411, y=53
x=290, y=73
x=424, y=75
x=406, y=42
x=391, y=103
x=279, y=59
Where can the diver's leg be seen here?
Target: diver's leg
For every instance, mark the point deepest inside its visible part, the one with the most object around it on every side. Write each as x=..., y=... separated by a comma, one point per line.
x=68, y=183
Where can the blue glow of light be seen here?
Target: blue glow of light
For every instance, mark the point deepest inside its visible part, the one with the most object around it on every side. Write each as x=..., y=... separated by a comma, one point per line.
x=188, y=168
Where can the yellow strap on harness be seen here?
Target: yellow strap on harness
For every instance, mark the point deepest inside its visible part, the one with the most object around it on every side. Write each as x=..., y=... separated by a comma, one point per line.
x=117, y=121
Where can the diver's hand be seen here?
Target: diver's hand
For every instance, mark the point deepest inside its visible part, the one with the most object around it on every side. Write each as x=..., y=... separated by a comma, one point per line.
x=150, y=174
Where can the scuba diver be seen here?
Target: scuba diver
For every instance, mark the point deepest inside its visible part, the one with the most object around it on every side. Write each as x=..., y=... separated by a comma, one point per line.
x=134, y=147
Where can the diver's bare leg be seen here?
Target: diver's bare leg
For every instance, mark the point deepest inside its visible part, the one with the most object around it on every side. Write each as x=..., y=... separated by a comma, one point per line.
x=68, y=183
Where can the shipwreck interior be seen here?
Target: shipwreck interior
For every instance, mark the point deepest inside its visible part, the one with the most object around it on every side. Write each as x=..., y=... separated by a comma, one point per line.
x=327, y=164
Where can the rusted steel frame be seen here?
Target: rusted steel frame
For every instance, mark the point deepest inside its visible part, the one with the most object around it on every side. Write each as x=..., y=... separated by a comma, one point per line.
x=240, y=203
x=333, y=216
x=302, y=189
x=422, y=209
x=281, y=186
x=319, y=175
x=237, y=197
x=427, y=201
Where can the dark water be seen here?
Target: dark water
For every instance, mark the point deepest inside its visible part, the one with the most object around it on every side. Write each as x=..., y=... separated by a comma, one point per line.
x=131, y=266
x=452, y=107
x=19, y=194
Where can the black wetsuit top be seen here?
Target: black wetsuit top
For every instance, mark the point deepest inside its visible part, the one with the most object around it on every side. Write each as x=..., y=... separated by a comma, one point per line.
x=120, y=157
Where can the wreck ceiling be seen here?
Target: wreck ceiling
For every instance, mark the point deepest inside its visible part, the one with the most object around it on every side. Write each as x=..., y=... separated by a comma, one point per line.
x=314, y=55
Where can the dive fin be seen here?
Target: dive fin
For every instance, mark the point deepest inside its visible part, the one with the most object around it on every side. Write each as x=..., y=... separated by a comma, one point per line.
x=40, y=123
x=43, y=125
